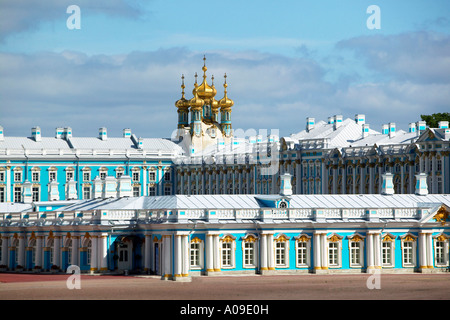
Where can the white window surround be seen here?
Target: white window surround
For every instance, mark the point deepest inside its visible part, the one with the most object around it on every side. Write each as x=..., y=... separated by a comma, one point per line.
x=303, y=239
x=388, y=246
x=334, y=246
x=252, y=244
x=443, y=239
x=356, y=245
x=231, y=240
x=200, y=247
x=281, y=251
x=409, y=249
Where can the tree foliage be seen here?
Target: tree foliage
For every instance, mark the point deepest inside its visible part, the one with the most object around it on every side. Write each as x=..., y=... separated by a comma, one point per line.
x=433, y=119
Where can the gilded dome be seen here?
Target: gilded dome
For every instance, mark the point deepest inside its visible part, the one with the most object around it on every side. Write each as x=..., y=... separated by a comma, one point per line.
x=204, y=90
x=225, y=102
x=183, y=102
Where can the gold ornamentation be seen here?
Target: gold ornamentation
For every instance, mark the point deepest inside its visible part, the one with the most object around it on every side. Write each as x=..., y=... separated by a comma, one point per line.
x=441, y=215
x=303, y=238
x=387, y=238
x=281, y=238
x=356, y=238
x=334, y=238
x=250, y=238
x=196, y=240
x=442, y=237
x=408, y=237
x=227, y=239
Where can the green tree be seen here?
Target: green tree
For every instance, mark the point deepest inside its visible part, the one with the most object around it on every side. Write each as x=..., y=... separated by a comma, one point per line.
x=433, y=120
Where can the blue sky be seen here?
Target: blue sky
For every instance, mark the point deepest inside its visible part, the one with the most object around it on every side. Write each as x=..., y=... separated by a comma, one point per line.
x=285, y=61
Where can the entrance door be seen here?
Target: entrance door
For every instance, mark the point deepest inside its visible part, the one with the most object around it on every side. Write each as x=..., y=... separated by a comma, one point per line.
x=124, y=253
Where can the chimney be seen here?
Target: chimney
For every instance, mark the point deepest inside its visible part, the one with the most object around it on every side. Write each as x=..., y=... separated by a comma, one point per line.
x=310, y=124
x=447, y=134
x=127, y=133
x=443, y=124
x=387, y=186
x=330, y=120
x=59, y=133
x=337, y=121
x=365, y=130
x=412, y=127
x=140, y=143
x=421, y=126
x=360, y=119
x=36, y=133
x=385, y=129
x=285, y=185
x=391, y=129
x=2, y=137
x=421, y=184
x=102, y=135
x=67, y=133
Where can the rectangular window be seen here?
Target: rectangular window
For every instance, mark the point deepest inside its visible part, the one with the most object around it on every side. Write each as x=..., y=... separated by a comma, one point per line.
x=35, y=194
x=386, y=254
x=226, y=254
x=17, y=194
x=408, y=253
x=135, y=176
x=35, y=176
x=195, y=254
x=280, y=253
x=152, y=191
x=52, y=175
x=17, y=176
x=167, y=190
x=136, y=191
x=302, y=253
x=439, y=253
x=2, y=194
x=249, y=254
x=86, y=176
x=152, y=176
x=167, y=176
x=103, y=175
x=2, y=176
x=355, y=254
x=69, y=175
x=86, y=192
x=333, y=251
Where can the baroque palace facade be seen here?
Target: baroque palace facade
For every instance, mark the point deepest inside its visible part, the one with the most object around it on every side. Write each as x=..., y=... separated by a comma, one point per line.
x=336, y=197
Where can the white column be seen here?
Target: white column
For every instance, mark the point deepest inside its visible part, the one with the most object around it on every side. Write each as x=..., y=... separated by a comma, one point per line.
x=317, y=253
x=8, y=184
x=209, y=253
x=430, y=255
x=324, y=251
x=377, y=250
x=178, y=263
x=144, y=181
x=94, y=254
x=103, y=252
x=422, y=251
x=186, y=262
x=216, y=249
x=264, y=266
x=369, y=250
x=270, y=253
x=39, y=261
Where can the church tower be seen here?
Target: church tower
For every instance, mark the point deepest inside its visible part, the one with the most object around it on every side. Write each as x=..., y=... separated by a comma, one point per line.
x=204, y=128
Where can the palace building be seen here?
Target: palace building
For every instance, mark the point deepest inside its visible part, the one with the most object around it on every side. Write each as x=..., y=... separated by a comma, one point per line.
x=337, y=196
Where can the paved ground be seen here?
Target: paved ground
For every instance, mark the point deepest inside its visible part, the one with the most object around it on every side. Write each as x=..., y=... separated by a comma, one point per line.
x=280, y=287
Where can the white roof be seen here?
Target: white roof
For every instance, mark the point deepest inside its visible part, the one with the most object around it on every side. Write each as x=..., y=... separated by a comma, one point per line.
x=177, y=202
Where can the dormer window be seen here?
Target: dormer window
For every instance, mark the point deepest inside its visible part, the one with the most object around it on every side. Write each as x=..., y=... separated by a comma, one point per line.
x=283, y=205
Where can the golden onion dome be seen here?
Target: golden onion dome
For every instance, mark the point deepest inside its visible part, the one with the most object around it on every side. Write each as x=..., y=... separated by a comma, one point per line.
x=205, y=91
x=196, y=102
x=225, y=102
x=183, y=102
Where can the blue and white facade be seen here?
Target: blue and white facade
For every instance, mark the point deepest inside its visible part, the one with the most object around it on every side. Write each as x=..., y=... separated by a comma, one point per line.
x=335, y=197
x=180, y=236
